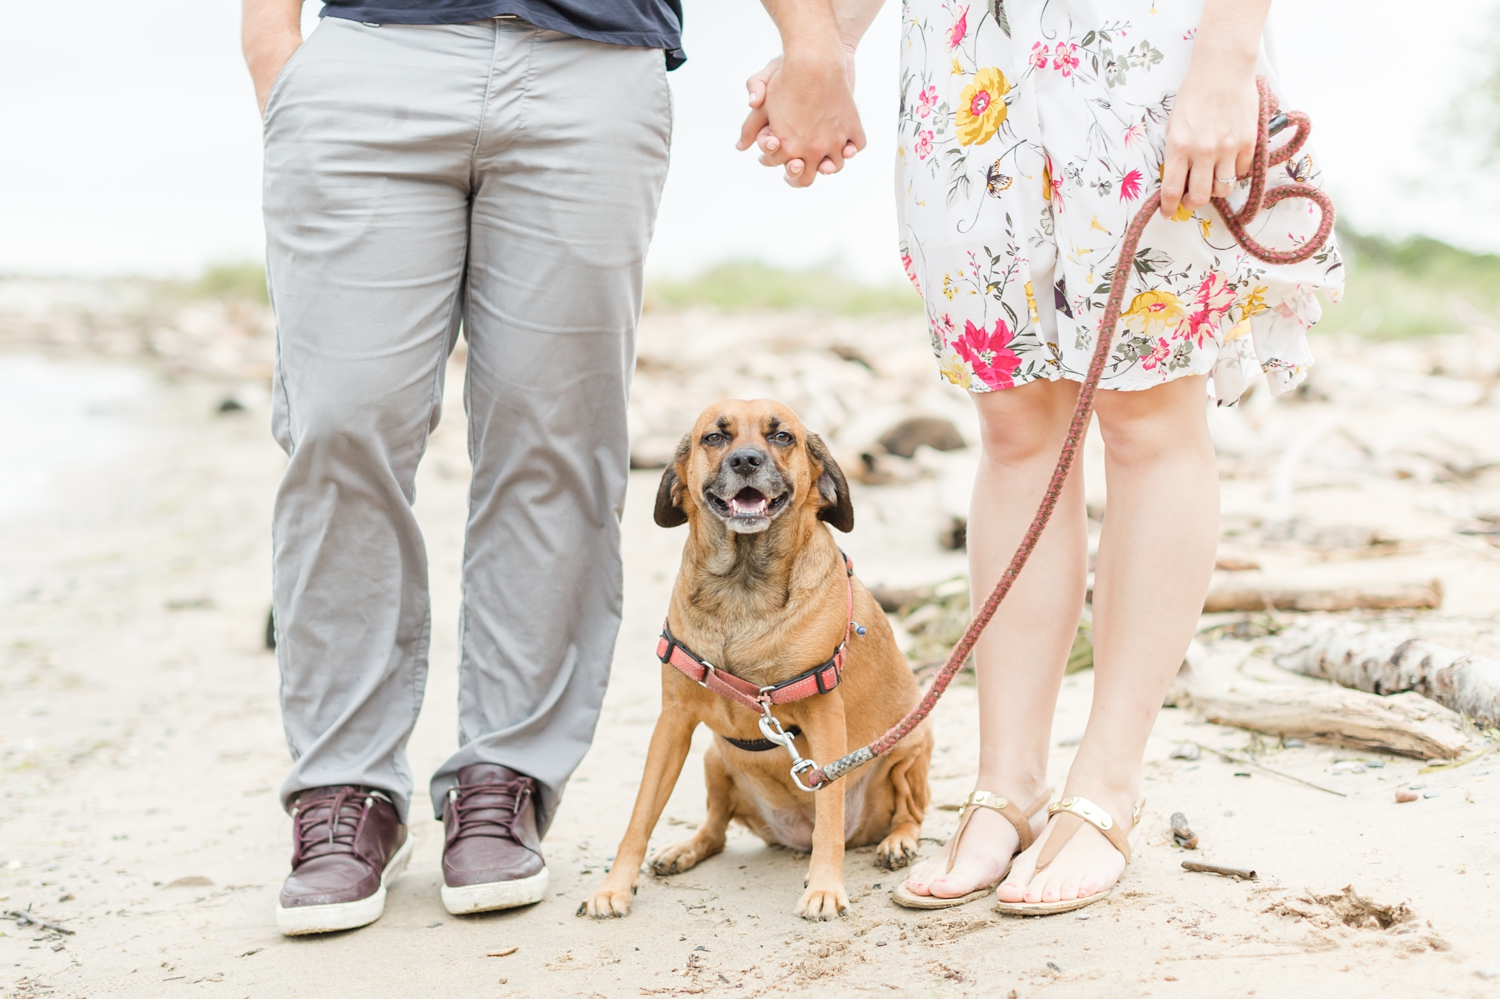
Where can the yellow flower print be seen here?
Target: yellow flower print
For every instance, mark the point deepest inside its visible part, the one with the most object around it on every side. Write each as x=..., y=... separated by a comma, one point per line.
x=1182, y=214
x=981, y=107
x=948, y=288
x=1255, y=302
x=956, y=370
x=1239, y=329
x=1031, y=303
x=1154, y=309
x=957, y=69
x=1206, y=225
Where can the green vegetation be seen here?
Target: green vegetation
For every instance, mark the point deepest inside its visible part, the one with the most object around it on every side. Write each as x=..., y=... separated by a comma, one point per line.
x=245, y=281
x=1416, y=287
x=750, y=285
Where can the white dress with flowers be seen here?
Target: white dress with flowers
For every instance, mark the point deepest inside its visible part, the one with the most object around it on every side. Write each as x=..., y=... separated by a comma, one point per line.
x=1030, y=133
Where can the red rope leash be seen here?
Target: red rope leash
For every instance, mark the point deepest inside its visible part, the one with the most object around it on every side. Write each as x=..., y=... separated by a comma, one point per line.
x=1083, y=412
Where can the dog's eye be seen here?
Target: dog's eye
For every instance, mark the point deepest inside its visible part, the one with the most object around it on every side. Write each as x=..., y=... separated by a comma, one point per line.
x=714, y=439
x=780, y=437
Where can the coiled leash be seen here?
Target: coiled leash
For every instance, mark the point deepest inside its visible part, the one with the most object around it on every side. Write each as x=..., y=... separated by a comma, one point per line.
x=1271, y=122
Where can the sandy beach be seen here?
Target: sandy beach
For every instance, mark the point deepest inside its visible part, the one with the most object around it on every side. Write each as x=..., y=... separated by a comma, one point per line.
x=141, y=747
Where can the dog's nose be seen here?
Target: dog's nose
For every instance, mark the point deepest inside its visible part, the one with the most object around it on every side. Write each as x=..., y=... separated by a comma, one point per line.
x=746, y=460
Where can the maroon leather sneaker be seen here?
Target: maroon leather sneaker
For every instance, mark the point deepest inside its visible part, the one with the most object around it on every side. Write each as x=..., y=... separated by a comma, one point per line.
x=492, y=855
x=347, y=845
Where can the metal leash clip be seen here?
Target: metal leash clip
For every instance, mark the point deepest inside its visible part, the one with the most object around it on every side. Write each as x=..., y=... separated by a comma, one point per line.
x=773, y=731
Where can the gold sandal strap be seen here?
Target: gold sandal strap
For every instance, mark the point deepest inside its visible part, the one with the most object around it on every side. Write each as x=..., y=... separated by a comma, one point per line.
x=988, y=799
x=1071, y=813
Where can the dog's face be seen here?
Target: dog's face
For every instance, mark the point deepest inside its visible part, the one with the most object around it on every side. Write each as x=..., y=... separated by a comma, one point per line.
x=748, y=465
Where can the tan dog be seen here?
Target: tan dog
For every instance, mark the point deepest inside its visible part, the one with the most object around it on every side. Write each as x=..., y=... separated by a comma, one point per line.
x=762, y=594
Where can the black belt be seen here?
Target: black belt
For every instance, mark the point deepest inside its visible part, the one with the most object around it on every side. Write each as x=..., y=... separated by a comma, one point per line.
x=760, y=745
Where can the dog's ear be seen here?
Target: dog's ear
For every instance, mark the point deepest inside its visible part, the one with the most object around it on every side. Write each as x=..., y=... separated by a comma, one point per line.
x=832, y=487
x=669, y=511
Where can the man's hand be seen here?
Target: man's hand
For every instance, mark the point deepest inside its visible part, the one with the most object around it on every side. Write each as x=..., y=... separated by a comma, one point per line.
x=270, y=31
x=808, y=102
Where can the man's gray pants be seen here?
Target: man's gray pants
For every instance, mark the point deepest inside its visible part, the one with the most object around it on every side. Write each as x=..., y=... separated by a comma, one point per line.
x=504, y=179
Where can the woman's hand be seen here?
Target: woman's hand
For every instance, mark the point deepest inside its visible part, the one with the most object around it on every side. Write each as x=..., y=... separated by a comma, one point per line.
x=1211, y=131
x=757, y=130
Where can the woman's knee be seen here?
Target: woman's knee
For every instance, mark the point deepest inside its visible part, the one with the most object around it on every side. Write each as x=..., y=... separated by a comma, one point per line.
x=1150, y=424
x=1024, y=423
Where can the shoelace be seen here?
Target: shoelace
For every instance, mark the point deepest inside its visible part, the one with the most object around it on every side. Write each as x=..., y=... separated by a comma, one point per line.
x=488, y=809
x=325, y=826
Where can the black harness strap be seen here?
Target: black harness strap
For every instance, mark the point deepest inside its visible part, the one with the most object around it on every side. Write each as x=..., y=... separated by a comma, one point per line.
x=760, y=745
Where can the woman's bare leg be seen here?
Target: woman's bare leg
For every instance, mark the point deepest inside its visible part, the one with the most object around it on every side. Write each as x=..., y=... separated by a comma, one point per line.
x=1156, y=554
x=1021, y=656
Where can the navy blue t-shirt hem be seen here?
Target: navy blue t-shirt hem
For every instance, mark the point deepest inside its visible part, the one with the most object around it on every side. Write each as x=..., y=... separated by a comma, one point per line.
x=671, y=44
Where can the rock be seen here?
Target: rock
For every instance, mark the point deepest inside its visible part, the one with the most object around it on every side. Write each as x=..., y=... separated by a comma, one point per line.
x=905, y=437
x=191, y=881
x=1405, y=796
x=844, y=352
x=1185, y=751
x=1184, y=837
x=652, y=452
x=955, y=537
x=891, y=600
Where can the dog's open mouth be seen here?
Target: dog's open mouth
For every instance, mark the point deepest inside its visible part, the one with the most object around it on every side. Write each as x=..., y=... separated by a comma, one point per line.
x=747, y=504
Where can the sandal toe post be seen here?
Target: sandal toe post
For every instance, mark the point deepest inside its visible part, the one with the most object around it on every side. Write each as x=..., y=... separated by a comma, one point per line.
x=1070, y=814
x=904, y=896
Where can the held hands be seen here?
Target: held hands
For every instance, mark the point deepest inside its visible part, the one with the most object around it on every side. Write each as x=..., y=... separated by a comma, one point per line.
x=802, y=111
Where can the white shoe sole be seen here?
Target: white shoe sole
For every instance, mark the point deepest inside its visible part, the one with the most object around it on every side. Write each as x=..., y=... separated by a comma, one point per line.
x=300, y=920
x=494, y=895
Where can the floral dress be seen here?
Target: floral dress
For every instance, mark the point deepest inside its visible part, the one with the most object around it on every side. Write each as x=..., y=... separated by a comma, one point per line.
x=1030, y=133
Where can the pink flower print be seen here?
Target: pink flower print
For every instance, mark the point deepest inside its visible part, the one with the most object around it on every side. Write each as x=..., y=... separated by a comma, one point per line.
x=911, y=271
x=1159, y=352
x=959, y=30
x=1133, y=134
x=1064, y=59
x=1130, y=186
x=924, y=145
x=989, y=354
x=1039, y=55
x=1211, y=303
x=926, y=101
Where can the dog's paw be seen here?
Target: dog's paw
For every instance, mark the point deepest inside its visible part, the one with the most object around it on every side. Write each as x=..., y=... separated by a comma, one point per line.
x=608, y=902
x=896, y=851
x=676, y=858
x=823, y=903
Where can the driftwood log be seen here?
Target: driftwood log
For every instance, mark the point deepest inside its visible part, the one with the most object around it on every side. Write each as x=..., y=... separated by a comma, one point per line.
x=1249, y=597
x=1405, y=724
x=1384, y=661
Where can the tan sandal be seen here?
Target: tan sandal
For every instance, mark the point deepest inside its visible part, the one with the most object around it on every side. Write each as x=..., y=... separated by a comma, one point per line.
x=979, y=799
x=1071, y=813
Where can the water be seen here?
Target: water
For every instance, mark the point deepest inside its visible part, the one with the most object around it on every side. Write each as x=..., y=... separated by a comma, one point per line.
x=57, y=417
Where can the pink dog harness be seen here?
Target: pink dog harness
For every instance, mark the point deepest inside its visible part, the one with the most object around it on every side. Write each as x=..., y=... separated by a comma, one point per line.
x=819, y=680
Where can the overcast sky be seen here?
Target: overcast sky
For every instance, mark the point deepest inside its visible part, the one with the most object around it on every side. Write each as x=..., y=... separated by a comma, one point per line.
x=129, y=141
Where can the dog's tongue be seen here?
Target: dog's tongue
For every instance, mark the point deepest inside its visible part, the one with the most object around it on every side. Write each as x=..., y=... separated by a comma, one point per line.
x=748, y=503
